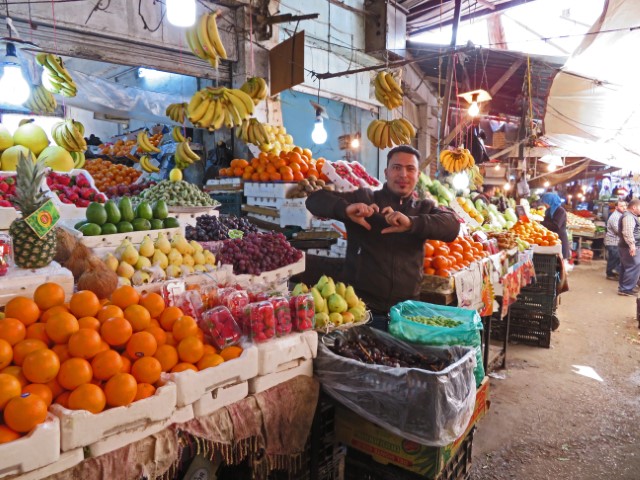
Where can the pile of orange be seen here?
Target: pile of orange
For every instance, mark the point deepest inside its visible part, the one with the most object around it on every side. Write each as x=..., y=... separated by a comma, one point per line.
x=292, y=166
x=91, y=354
x=442, y=259
x=535, y=233
x=107, y=174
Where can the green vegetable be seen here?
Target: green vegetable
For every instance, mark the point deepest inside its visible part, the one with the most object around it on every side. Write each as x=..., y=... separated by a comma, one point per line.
x=437, y=321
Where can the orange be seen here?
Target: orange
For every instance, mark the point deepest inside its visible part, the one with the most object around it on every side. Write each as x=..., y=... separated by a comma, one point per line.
x=89, y=322
x=106, y=364
x=440, y=262
x=84, y=303
x=22, y=308
x=170, y=340
x=231, y=352
x=7, y=435
x=200, y=334
x=429, y=250
x=41, y=366
x=124, y=296
x=6, y=353
x=126, y=364
x=144, y=390
x=141, y=344
x=25, y=347
x=443, y=272
x=74, y=372
x=63, y=399
x=169, y=316
x=85, y=343
x=167, y=355
x=184, y=327
x=116, y=331
x=41, y=390
x=37, y=331
x=44, y=316
x=158, y=333
x=154, y=304
x=146, y=370
x=9, y=387
x=61, y=326
x=182, y=366
x=16, y=371
x=88, y=397
x=210, y=360
x=120, y=390
x=62, y=350
x=12, y=330
x=109, y=311
x=138, y=317
x=207, y=349
x=55, y=388
x=190, y=349
x=23, y=413
x=49, y=295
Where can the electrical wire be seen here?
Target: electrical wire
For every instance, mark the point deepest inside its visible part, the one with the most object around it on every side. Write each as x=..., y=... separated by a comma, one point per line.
x=144, y=22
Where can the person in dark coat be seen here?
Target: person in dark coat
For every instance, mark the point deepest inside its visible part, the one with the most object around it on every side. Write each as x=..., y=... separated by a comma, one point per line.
x=555, y=219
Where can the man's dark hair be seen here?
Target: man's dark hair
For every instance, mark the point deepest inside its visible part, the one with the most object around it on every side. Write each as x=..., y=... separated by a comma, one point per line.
x=403, y=149
x=488, y=188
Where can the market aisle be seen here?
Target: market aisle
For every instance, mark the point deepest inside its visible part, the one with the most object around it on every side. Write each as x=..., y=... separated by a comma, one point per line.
x=548, y=422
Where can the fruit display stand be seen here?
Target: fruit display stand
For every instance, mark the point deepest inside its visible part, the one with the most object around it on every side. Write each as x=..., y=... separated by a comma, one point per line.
x=265, y=382
x=24, y=281
x=188, y=215
x=7, y=216
x=66, y=461
x=286, y=352
x=115, y=239
x=69, y=211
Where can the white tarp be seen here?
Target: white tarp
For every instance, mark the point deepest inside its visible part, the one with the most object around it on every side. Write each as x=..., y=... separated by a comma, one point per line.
x=593, y=107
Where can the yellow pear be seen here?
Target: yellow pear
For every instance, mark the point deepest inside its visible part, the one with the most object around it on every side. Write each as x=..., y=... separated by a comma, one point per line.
x=175, y=258
x=335, y=318
x=341, y=289
x=125, y=270
x=143, y=262
x=347, y=317
x=130, y=255
x=200, y=268
x=160, y=259
x=188, y=260
x=209, y=258
x=199, y=258
x=173, y=271
x=163, y=244
x=121, y=248
x=111, y=262
x=140, y=277
x=321, y=319
x=146, y=247
x=180, y=243
x=351, y=297
x=124, y=281
x=196, y=246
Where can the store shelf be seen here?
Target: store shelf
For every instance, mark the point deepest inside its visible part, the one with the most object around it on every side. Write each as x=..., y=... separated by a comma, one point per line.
x=265, y=382
x=220, y=397
x=282, y=353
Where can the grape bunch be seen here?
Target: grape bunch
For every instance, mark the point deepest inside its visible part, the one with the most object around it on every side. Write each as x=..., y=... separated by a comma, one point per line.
x=258, y=252
x=210, y=228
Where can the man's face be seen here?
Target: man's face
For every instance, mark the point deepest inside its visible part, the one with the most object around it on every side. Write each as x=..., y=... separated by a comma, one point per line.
x=621, y=207
x=402, y=173
x=635, y=210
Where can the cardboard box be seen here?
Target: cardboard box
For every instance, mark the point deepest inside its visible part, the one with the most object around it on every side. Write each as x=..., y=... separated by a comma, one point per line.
x=388, y=448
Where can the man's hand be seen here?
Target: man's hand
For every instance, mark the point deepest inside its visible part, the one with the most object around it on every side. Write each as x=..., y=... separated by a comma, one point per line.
x=399, y=221
x=632, y=250
x=358, y=212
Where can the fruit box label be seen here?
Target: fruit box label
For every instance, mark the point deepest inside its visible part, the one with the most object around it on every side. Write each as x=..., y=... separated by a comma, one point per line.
x=43, y=219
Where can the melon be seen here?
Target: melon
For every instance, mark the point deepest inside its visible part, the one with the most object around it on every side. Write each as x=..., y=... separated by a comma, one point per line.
x=10, y=157
x=56, y=158
x=31, y=136
x=6, y=140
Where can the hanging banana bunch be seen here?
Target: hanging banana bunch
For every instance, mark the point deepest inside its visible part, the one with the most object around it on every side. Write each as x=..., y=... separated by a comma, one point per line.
x=256, y=88
x=387, y=90
x=69, y=135
x=177, y=112
x=59, y=77
x=144, y=143
x=41, y=100
x=387, y=133
x=147, y=166
x=475, y=176
x=456, y=160
x=213, y=107
x=176, y=134
x=252, y=131
x=185, y=156
x=204, y=39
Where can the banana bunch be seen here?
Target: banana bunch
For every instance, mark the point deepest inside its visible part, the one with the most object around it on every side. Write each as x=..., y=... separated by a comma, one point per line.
x=176, y=134
x=475, y=176
x=256, y=88
x=41, y=100
x=61, y=81
x=69, y=135
x=145, y=143
x=185, y=156
x=387, y=90
x=204, y=40
x=456, y=160
x=177, y=112
x=213, y=107
x=147, y=166
x=252, y=131
x=386, y=134
x=78, y=159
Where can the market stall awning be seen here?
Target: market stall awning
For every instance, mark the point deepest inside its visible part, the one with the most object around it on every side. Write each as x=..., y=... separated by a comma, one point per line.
x=593, y=107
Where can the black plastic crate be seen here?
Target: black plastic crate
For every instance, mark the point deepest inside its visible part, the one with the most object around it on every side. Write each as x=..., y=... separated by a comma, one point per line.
x=544, y=283
x=231, y=203
x=526, y=326
x=545, y=264
x=536, y=302
x=359, y=466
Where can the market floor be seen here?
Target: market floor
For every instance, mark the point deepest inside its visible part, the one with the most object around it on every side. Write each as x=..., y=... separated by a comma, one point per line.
x=547, y=421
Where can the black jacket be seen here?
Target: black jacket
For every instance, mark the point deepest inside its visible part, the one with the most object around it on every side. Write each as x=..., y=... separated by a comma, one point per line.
x=558, y=224
x=385, y=269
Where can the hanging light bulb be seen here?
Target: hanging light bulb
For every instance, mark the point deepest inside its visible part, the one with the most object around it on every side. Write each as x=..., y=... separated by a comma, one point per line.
x=507, y=187
x=551, y=167
x=14, y=89
x=319, y=134
x=355, y=142
x=460, y=181
x=546, y=184
x=497, y=167
x=181, y=13
x=474, y=110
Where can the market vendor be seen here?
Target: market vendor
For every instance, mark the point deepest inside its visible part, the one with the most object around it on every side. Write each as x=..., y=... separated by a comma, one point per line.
x=386, y=231
x=488, y=192
x=629, y=233
x=555, y=219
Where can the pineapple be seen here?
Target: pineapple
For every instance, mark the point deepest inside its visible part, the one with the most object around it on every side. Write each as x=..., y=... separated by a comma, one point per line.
x=29, y=250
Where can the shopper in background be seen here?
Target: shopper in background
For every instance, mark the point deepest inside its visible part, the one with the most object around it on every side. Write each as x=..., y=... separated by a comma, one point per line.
x=386, y=231
x=488, y=192
x=555, y=219
x=611, y=240
x=629, y=228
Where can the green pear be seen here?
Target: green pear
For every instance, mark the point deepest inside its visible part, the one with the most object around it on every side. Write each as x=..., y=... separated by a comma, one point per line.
x=298, y=289
x=130, y=255
x=358, y=313
x=146, y=247
x=111, y=262
x=175, y=257
x=143, y=262
x=328, y=289
x=125, y=270
x=173, y=271
x=140, y=277
x=336, y=304
x=321, y=282
x=196, y=246
x=351, y=297
x=160, y=259
x=198, y=258
x=341, y=288
x=321, y=319
x=163, y=244
x=335, y=318
x=320, y=304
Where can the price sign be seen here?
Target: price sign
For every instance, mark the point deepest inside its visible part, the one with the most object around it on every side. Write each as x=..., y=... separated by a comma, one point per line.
x=43, y=219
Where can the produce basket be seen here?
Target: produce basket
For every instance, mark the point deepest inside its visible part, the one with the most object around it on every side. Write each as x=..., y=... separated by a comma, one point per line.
x=345, y=326
x=114, y=240
x=432, y=408
x=437, y=284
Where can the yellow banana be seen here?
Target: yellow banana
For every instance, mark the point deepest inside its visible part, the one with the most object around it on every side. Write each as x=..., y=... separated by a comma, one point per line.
x=186, y=149
x=411, y=131
x=381, y=82
x=195, y=102
x=391, y=82
x=205, y=121
x=176, y=134
x=194, y=44
x=214, y=35
x=203, y=37
x=200, y=110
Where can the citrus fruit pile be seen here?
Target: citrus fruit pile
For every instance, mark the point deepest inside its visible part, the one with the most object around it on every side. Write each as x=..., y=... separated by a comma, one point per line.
x=91, y=354
x=443, y=259
x=534, y=232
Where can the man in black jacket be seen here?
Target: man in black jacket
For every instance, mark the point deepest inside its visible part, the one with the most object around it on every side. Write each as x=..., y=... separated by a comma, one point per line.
x=386, y=231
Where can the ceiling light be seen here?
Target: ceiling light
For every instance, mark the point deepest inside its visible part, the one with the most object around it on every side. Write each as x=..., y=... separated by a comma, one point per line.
x=319, y=134
x=546, y=184
x=14, y=89
x=507, y=187
x=474, y=98
x=181, y=13
x=355, y=142
x=460, y=181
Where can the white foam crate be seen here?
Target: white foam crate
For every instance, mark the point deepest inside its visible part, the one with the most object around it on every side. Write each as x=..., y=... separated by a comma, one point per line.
x=265, y=218
x=266, y=201
x=265, y=382
x=24, y=281
x=68, y=210
x=274, y=276
x=191, y=386
x=341, y=184
x=7, y=216
x=363, y=182
x=115, y=239
x=79, y=428
x=283, y=353
x=294, y=213
x=39, y=448
x=66, y=461
x=472, y=222
x=554, y=250
x=268, y=189
x=324, y=252
x=190, y=218
x=225, y=181
x=121, y=439
x=220, y=397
